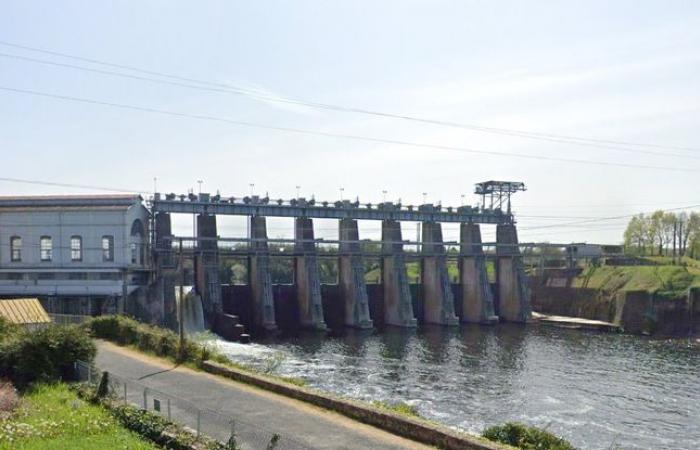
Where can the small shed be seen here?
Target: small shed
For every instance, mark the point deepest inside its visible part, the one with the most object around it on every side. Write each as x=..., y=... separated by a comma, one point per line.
x=27, y=312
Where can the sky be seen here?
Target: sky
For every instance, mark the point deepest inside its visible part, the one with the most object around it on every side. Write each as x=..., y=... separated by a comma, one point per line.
x=615, y=71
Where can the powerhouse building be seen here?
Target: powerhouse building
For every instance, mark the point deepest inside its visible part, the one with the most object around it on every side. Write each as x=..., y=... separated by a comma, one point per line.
x=79, y=254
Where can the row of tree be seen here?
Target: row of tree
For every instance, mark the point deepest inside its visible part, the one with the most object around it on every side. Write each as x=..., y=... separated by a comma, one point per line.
x=664, y=233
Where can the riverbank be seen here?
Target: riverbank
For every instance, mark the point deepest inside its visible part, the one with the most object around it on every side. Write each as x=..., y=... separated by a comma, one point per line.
x=657, y=299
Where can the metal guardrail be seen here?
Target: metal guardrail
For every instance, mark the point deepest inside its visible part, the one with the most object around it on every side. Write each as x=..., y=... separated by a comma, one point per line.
x=200, y=421
x=326, y=210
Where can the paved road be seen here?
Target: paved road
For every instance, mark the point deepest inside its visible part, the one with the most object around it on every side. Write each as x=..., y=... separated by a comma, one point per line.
x=257, y=413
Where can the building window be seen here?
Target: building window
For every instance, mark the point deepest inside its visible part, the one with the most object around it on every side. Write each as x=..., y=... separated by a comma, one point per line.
x=134, y=253
x=46, y=248
x=76, y=248
x=108, y=248
x=16, y=249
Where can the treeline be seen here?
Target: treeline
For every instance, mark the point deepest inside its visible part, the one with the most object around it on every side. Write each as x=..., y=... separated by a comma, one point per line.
x=664, y=234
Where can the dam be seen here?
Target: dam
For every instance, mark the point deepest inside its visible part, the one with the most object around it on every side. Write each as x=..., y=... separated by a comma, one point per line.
x=393, y=302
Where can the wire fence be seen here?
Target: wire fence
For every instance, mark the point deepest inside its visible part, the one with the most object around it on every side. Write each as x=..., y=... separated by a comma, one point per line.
x=68, y=319
x=200, y=421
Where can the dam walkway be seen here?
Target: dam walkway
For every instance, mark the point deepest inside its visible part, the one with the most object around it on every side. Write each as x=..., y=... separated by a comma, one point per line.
x=306, y=426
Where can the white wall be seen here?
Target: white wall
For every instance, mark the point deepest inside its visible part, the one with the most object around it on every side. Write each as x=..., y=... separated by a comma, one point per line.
x=62, y=223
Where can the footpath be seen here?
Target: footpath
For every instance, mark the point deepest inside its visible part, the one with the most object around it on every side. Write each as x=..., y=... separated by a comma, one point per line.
x=309, y=426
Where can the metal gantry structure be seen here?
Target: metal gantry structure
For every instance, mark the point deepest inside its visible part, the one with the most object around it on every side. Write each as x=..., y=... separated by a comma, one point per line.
x=498, y=193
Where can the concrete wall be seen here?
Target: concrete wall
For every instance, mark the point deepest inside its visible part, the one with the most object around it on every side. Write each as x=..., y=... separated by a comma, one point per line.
x=351, y=273
x=306, y=276
x=513, y=290
x=576, y=302
x=260, y=279
x=637, y=312
x=207, y=267
x=438, y=301
x=60, y=225
x=397, y=303
x=477, y=300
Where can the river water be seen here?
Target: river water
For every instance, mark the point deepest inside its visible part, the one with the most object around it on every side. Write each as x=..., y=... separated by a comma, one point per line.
x=600, y=391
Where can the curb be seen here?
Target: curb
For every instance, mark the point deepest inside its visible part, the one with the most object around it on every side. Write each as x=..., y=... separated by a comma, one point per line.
x=407, y=427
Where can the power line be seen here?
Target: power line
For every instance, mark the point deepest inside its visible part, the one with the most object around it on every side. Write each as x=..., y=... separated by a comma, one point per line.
x=566, y=139
x=71, y=185
x=337, y=135
x=625, y=216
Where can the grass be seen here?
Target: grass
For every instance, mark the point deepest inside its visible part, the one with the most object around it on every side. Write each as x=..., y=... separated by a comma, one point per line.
x=53, y=417
x=398, y=407
x=667, y=280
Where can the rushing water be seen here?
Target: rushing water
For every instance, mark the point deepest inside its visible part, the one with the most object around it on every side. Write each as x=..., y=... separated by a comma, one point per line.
x=600, y=391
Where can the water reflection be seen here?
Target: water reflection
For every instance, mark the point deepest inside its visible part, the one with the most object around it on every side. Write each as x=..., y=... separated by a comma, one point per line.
x=598, y=390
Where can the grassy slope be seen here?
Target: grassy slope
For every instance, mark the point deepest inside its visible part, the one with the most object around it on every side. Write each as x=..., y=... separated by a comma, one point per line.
x=668, y=280
x=52, y=417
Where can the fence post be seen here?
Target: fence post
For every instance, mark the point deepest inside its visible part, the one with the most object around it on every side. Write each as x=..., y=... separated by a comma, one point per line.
x=199, y=421
x=169, y=417
x=145, y=399
x=89, y=374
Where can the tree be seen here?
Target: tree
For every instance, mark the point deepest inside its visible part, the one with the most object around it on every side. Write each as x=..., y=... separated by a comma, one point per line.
x=657, y=230
x=693, y=234
x=669, y=227
x=636, y=234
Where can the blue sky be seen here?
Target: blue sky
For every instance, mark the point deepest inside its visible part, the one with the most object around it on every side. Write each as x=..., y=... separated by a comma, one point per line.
x=624, y=70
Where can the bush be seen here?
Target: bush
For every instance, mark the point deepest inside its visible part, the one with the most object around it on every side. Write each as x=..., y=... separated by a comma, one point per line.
x=526, y=437
x=127, y=331
x=44, y=355
x=7, y=329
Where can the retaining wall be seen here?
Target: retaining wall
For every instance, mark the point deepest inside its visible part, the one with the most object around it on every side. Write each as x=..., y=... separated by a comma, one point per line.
x=416, y=429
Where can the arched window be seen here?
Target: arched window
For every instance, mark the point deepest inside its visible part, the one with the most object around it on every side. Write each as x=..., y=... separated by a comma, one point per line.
x=138, y=233
x=16, y=249
x=46, y=248
x=76, y=248
x=137, y=228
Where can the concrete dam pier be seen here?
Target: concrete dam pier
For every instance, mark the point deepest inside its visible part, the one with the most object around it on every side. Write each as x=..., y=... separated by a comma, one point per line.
x=394, y=301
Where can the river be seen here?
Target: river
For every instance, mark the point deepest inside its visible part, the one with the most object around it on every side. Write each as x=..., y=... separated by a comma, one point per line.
x=600, y=391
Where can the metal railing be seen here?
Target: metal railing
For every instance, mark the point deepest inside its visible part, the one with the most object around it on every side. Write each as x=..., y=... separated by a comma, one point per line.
x=68, y=319
x=200, y=421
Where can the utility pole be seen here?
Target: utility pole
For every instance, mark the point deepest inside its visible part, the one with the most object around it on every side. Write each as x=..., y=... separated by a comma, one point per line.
x=675, y=234
x=181, y=304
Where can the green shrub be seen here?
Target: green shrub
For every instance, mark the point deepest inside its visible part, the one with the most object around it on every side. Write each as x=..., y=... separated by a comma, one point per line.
x=7, y=329
x=148, y=338
x=163, y=342
x=526, y=437
x=44, y=355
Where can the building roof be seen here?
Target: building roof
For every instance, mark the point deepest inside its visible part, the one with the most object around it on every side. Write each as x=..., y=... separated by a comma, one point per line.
x=124, y=200
x=23, y=311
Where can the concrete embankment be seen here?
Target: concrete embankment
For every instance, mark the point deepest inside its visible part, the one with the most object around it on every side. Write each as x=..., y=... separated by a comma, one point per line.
x=416, y=429
x=634, y=311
